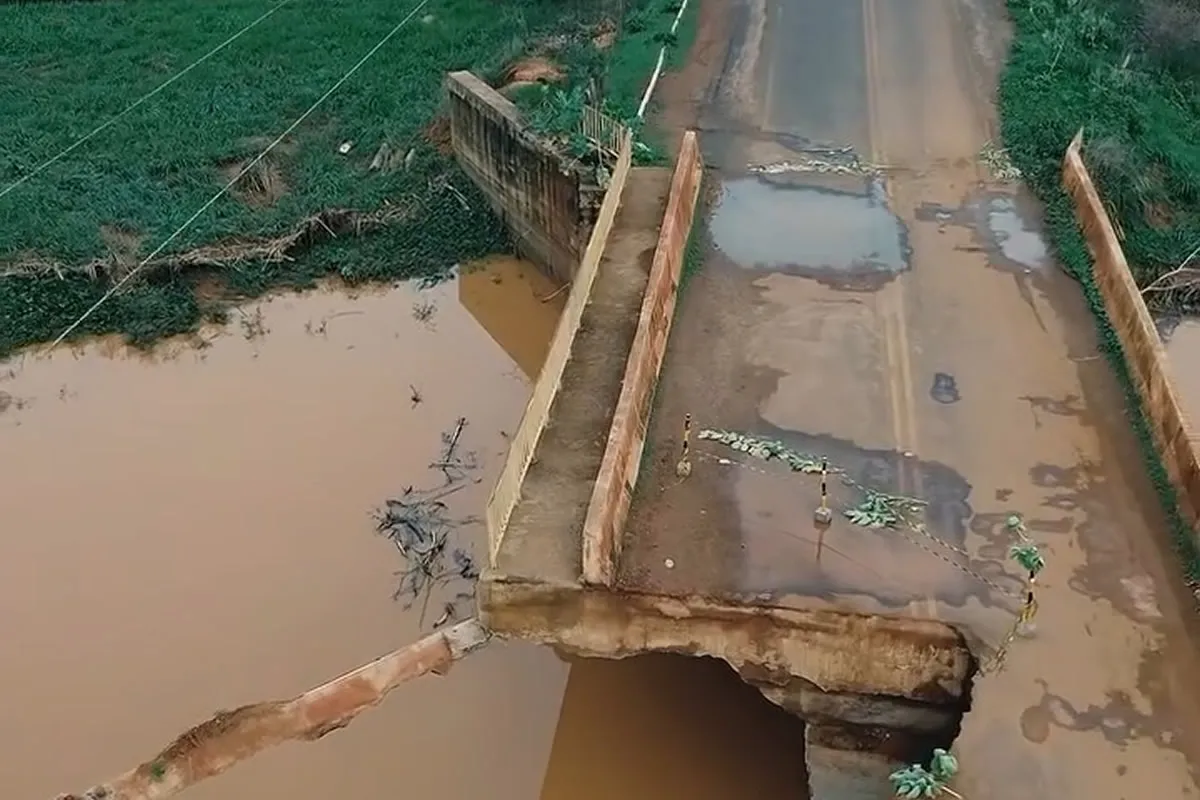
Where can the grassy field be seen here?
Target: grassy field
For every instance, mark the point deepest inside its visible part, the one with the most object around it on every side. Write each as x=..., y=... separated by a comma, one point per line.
x=67, y=67
x=1130, y=77
x=1128, y=73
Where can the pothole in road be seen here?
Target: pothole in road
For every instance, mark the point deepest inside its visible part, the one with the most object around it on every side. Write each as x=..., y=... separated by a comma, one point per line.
x=847, y=239
x=1017, y=242
x=1006, y=232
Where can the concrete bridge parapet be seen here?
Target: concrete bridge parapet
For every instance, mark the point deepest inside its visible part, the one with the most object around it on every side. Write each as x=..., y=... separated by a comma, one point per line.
x=548, y=203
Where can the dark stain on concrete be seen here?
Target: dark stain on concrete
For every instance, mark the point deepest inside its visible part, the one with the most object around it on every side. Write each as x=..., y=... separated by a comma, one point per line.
x=1003, y=226
x=1118, y=720
x=845, y=239
x=1110, y=570
x=1069, y=406
x=948, y=517
x=944, y=389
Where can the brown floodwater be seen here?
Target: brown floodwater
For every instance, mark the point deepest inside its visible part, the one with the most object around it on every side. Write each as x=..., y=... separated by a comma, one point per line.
x=191, y=530
x=1183, y=350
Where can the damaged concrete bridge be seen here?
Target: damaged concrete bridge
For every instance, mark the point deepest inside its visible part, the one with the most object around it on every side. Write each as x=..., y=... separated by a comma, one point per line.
x=875, y=688
x=854, y=247
x=868, y=285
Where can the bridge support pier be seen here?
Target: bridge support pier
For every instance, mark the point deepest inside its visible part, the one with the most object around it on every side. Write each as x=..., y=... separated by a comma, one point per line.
x=844, y=765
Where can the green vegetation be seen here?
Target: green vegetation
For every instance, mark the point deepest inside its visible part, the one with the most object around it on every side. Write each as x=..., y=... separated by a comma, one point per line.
x=65, y=68
x=1029, y=557
x=915, y=781
x=622, y=75
x=1103, y=65
x=1128, y=73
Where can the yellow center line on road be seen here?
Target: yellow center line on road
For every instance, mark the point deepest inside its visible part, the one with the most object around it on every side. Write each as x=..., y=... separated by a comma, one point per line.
x=883, y=306
x=769, y=92
x=891, y=305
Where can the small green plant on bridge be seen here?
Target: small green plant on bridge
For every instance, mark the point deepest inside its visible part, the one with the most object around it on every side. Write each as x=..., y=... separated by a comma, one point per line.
x=1017, y=525
x=1029, y=557
x=915, y=781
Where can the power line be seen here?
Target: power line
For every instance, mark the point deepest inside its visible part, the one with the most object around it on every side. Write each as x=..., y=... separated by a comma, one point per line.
x=117, y=286
x=104, y=125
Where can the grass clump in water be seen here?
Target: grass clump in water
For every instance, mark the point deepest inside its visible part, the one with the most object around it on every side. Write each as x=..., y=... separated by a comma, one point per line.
x=1115, y=69
x=82, y=222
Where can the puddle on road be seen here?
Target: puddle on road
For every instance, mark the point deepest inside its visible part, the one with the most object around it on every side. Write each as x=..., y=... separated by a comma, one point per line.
x=191, y=530
x=872, y=569
x=1017, y=241
x=1183, y=350
x=1005, y=230
x=840, y=237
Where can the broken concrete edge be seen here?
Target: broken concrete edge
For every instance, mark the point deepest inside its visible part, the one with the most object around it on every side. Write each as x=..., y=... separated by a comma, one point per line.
x=608, y=509
x=507, y=491
x=898, y=673
x=1144, y=353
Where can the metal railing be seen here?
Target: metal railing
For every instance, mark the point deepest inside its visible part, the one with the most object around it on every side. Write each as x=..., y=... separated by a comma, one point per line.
x=603, y=132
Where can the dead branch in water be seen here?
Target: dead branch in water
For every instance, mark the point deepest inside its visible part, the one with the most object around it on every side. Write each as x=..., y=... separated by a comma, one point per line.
x=419, y=524
x=1183, y=281
x=230, y=737
x=318, y=228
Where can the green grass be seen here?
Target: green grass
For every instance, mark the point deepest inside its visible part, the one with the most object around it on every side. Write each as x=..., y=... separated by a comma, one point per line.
x=1082, y=63
x=66, y=67
x=624, y=72
x=1085, y=63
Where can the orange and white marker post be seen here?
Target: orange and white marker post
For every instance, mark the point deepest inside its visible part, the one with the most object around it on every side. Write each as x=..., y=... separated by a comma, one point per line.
x=1029, y=609
x=683, y=467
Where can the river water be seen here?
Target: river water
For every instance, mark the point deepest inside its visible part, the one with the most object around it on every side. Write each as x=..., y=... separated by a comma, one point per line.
x=1183, y=350
x=191, y=530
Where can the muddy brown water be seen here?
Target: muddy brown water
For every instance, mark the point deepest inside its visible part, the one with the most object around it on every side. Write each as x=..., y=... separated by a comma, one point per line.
x=191, y=530
x=1183, y=349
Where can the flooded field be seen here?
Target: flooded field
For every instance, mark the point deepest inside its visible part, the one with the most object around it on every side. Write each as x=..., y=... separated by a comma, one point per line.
x=192, y=529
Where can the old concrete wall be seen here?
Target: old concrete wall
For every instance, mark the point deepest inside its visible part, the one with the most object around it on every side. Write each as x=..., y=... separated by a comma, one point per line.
x=1144, y=353
x=507, y=491
x=613, y=492
x=548, y=204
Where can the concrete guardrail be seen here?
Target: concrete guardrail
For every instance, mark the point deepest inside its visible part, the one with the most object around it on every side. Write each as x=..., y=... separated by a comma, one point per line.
x=1143, y=349
x=611, y=497
x=507, y=491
